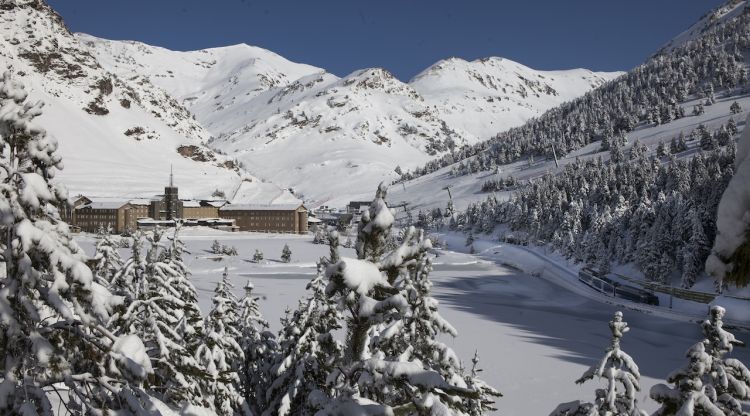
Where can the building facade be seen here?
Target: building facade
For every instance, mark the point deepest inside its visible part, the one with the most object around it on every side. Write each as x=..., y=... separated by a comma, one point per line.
x=91, y=217
x=281, y=218
x=199, y=209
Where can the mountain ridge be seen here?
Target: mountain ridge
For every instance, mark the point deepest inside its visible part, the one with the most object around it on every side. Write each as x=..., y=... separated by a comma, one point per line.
x=274, y=107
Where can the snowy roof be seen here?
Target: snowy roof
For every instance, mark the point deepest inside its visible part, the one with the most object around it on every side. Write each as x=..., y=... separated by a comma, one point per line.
x=217, y=204
x=105, y=204
x=191, y=204
x=153, y=221
x=140, y=201
x=261, y=207
x=313, y=220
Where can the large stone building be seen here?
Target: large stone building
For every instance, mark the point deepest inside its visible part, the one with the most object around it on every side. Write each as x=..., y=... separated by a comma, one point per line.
x=91, y=214
x=280, y=218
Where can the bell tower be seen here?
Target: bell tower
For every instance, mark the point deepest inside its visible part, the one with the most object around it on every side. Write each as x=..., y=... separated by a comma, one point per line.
x=172, y=203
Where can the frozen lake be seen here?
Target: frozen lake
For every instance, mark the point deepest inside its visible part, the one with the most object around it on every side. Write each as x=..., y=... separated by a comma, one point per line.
x=534, y=337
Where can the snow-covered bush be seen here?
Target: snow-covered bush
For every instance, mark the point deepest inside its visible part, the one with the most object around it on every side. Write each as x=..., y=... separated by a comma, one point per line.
x=286, y=254
x=258, y=256
x=221, y=249
x=622, y=376
x=709, y=384
x=216, y=247
x=729, y=261
x=319, y=235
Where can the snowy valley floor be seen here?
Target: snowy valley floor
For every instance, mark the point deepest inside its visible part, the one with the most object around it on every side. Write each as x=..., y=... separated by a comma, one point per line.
x=534, y=336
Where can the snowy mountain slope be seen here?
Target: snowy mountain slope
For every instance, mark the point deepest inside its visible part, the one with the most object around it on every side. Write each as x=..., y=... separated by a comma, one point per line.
x=293, y=124
x=118, y=136
x=716, y=17
x=326, y=136
x=300, y=127
x=487, y=96
x=687, y=122
x=428, y=192
x=211, y=83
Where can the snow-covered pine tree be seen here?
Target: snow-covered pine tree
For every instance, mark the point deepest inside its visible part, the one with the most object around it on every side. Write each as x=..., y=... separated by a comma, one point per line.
x=52, y=311
x=484, y=402
x=709, y=384
x=258, y=256
x=259, y=348
x=414, y=336
x=735, y=108
x=307, y=353
x=622, y=376
x=107, y=258
x=368, y=379
x=661, y=150
x=729, y=377
x=217, y=248
x=286, y=254
x=470, y=239
x=695, y=250
x=160, y=308
x=220, y=353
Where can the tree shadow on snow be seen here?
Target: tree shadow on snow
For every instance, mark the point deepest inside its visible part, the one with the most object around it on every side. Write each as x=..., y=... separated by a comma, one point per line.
x=572, y=325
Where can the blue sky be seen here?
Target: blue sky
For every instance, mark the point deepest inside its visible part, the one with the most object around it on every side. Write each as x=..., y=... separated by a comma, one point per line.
x=403, y=36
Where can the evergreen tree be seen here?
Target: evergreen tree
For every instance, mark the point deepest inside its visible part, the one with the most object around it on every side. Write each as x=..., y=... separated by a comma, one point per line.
x=695, y=251
x=707, y=140
x=52, y=311
x=217, y=248
x=107, y=258
x=161, y=309
x=258, y=256
x=661, y=150
x=307, y=353
x=470, y=238
x=259, y=348
x=732, y=127
x=286, y=254
x=735, y=108
x=710, y=384
x=618, y=369
x=374, y=373
x=220, y=353
x=698, y=109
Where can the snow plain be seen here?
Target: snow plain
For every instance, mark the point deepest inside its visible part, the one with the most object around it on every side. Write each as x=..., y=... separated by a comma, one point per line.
x=535, y=336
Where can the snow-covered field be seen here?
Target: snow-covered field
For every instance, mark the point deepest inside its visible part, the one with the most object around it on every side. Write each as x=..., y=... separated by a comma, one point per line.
x=535, y=336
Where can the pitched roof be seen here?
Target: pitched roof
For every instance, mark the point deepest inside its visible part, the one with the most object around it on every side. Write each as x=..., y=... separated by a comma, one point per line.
x=215, y=203
x=140, y=201
x=260, y=207
x=105, y=204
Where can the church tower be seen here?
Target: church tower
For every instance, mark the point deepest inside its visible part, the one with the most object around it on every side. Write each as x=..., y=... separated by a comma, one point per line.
x=172, y=203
